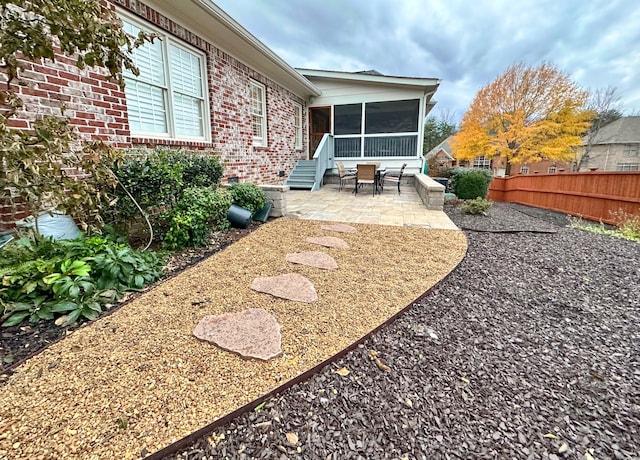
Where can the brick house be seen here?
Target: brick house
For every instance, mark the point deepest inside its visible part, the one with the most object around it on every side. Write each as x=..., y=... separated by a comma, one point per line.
x=207, y=84
x=616, y=147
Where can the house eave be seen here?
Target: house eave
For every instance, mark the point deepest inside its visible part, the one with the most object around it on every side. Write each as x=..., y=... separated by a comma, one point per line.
x=209, y=21
x=414, y=82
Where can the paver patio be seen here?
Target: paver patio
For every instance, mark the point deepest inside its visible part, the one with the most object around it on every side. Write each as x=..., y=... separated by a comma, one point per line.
x=387, y=208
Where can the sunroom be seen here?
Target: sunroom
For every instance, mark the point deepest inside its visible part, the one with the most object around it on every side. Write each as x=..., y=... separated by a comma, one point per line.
x=368, y=117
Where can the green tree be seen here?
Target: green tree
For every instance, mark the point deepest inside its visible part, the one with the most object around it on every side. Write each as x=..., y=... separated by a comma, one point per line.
x=41, y=164
x=437, y=129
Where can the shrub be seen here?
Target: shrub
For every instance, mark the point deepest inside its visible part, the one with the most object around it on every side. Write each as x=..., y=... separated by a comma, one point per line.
x=455, y=173
x=248, y=196
x=43, y=278
x=199, y=211
x=159, y=177
x=628, y=225
x=157, y=180
x=452, y=200
x=476, y=206
x=200, y=170
x=152, y=183
x=472, y=185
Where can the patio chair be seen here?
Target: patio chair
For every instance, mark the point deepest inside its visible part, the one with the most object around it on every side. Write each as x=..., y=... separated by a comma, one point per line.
x=393, y=177
x=344, y=175
x=366, y=175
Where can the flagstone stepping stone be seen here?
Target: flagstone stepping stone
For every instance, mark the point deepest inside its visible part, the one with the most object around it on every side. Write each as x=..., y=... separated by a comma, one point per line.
x=342, y=228
x=329, y=241
x=252, y=333
x=313, y=259
x=290, y=286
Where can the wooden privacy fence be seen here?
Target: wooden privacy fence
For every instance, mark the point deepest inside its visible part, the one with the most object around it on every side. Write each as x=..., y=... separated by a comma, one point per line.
x=592, y=195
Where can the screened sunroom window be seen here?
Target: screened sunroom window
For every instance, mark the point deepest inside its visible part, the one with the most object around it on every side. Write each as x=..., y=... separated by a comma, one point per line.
x=168, y=98
x=392, y=117
x=347, y=119
x=386, y=129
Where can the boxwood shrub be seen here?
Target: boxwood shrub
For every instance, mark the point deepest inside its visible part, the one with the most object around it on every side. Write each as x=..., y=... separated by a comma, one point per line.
x=472, y=185
x=248, y=196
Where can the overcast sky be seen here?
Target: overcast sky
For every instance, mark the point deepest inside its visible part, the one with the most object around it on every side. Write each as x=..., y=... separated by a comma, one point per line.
x=465, y=43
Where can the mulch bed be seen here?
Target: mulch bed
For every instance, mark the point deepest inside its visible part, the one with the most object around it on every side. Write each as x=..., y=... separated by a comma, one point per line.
x=137, y=380
x=529, y=349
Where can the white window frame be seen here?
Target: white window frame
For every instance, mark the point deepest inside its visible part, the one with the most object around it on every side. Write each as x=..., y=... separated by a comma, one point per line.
x=524, y=169
x=630, y=150
x=552, y=170
x=628, y=167
x=297, y=115
x=166, y=41
x=259, y=119
x=482, y=162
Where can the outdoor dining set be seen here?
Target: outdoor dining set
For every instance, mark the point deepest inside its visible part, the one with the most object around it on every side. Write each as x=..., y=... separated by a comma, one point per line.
x=369, y=174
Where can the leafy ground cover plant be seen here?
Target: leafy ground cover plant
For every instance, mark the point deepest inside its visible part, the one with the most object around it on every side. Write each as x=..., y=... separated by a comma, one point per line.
x=43, y=279
x=476, y=206
x=628, y=226
x=248, y=196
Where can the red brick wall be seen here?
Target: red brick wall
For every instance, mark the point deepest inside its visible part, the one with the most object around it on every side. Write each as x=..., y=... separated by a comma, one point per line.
x=97, y=109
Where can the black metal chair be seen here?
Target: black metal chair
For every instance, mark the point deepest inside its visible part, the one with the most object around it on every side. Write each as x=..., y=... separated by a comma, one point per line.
x=393, y=177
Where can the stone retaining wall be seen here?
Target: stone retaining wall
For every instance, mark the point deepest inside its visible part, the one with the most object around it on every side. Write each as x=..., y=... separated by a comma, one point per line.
x=430, y=191
x=276, y=194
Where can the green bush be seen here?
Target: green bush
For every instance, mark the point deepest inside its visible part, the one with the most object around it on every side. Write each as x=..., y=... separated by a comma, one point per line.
x=454, y=174
x=199, y=211
x=152, y=183
x=159, y=177
x=472, y=185
x=43, y=278
x=157, y=180
x=248, y=196
x=200, y=170
x=476, y=206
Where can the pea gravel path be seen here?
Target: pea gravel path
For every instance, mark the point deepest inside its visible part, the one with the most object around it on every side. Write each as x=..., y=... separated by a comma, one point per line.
x=530, y=349
x=135, y=381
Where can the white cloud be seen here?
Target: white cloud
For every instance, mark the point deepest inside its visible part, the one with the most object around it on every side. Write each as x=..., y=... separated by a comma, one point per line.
x=466, y=44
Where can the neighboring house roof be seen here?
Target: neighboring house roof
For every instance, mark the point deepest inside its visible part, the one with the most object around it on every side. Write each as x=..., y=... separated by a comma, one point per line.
x=444, y=147
x=209, y=21
x=625, y=130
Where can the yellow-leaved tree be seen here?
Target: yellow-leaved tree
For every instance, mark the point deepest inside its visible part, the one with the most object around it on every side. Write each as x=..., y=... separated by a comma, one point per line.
x=525, y=115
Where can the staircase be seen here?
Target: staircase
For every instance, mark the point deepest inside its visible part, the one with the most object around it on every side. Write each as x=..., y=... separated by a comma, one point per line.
x=303, y=175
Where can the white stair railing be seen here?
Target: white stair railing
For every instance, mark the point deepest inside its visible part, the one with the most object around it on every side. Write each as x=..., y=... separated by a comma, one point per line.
x=322, y=157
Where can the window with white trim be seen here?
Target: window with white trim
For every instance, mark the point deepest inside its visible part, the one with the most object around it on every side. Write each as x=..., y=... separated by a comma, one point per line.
x=169, y=97
x=628, y=167
x=630, y=150
x=297, y=114
x=258, y=113
x=552, y=169
x=482, y=162
x=524, y=169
